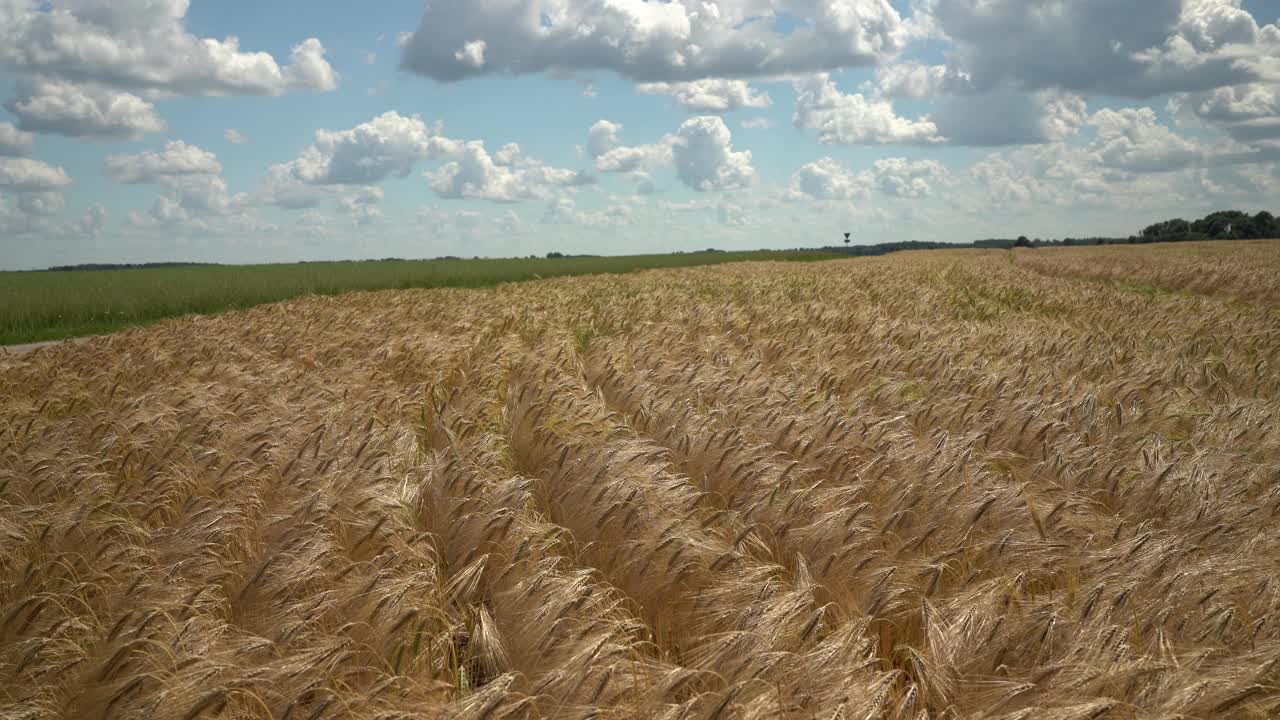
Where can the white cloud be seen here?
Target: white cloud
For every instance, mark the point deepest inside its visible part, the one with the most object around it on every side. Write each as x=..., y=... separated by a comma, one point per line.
x=1062, y=115
x=1248, y=113
x=235, y=137
x=1149, y=48
x=15, y=142
x=467, y=219
x=900, y=177
x=509, y=222
x=44, y=203
x=635, y=159
x=563, y=211
x=32, y=188
x=91, y=68
x=145, y=45
x=673, y=41
x=912, y=80
x=207, y=195
x=192, y=187
x=307, y=68
x=757, y=123
x=83, y=111
x=391, y=145
x=283, y=188
x=853, y=119
x=826, y=179
x=1131, y=139
x=701, y=151
x=712, y=95
x=507, y=176
x=602, y=137
x=609, y=155
x=176, y=159
x=704, y=157
x=472, y=54
x=362, y=205
x=1131, y=164
x=22, y=174
x=93, y=222
x=731, y=215
x=964, y=115
x=388, y=145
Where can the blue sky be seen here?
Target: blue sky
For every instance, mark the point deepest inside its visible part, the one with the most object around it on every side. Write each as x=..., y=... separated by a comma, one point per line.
x=641, y=127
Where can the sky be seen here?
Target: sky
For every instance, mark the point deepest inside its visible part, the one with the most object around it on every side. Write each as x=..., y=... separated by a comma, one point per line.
x=255, y=131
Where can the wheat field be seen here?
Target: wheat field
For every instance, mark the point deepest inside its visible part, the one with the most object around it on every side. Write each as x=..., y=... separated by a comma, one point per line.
x=978, y=484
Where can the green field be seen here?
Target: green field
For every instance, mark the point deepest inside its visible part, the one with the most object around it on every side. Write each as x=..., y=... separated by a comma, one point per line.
x=38, y=306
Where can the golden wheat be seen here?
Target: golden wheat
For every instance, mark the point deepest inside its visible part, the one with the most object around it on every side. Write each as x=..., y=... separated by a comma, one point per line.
x=932, y=485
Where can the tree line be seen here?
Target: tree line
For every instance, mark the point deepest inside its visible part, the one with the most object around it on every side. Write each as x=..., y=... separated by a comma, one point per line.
x=1222, y=225
x=1225, y=225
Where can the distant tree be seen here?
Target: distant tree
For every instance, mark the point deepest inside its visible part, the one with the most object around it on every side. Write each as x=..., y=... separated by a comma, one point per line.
x=1266, y=225
x=1023, y=241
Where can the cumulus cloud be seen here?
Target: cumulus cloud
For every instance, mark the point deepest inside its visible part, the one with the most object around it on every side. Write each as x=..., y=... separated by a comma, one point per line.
x=913, y=80
x=175, y=160
x=609, y=155
x=21, y=174
x=145, y=45
x=308, y=69
x=1131, y=139
x=15, y=142
x=855, y=119
x=1130, y=161
x=1149, y=48
x=703, y=153
x=1051, y=175
x=757, y=123
x=900, y=177
x=85, y=66
x=93, y=222
x=676, y=41
x=1009, y=117
x=1247, y=113
x=83, y=111
x=964, y=115
x=732, y=215
x=31, y=188
x=282, y=187
x=235, y=137
x=192, y=187
x=563, y=210
x=509, y=222
x=602, y=137
x=392, y=145
x=388, y=145
x=363, y=205
x=44, y=203
x=826, y=179
x=712, y=95
x=506, y=176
